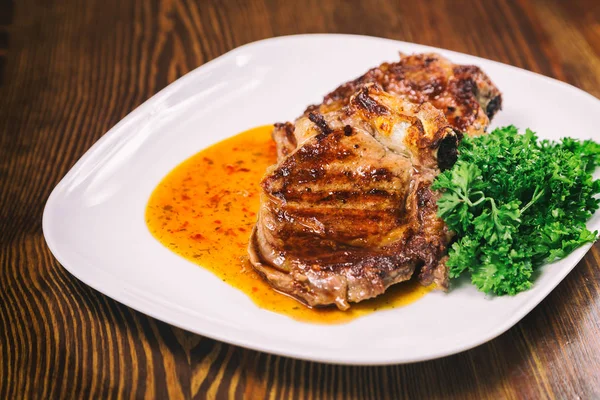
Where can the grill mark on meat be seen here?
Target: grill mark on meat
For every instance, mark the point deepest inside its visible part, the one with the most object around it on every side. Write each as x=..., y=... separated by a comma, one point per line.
x=382, y=215
x=365, y=102
x=349, y=198
x=319, y=121
x=298, y=228
x=325, y=151
x=336, y=175
x=299, y=176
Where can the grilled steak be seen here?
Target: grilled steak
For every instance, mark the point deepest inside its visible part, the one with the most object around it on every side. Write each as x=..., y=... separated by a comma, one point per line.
x=348, y=211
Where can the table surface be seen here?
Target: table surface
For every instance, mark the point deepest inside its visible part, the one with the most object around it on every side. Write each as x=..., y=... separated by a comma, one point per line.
x=70, y=70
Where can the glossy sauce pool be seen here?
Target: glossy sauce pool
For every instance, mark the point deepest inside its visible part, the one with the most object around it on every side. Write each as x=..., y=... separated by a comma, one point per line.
x=204, y=210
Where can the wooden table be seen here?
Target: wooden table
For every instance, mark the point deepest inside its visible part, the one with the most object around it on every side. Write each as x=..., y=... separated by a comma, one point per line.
x=70, y=70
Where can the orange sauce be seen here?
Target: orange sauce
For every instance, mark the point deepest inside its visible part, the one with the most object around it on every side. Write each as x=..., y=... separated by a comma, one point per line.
x=204, y=210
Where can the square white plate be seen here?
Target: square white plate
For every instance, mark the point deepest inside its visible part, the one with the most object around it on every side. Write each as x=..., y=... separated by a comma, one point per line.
x=94, y=219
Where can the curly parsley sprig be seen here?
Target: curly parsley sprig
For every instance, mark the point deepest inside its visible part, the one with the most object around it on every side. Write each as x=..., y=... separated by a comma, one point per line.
x=515, y=203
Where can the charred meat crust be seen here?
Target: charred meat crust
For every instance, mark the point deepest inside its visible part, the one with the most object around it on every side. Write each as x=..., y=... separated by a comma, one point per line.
x=493, y=106
x=465, y=94
x=319, y=121
x=365, y=102
x=447, y=153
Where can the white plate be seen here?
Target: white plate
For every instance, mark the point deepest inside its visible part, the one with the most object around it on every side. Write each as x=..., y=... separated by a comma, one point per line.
x=94, y=219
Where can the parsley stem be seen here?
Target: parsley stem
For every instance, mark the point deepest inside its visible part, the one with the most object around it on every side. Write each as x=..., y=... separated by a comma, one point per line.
x=481, y=199
x=536, y=195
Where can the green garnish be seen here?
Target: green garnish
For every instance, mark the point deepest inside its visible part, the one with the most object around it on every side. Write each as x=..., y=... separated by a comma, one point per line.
x=516, y=203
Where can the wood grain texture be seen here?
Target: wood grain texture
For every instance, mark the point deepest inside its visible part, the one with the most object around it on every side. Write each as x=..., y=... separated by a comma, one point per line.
x=70, y=70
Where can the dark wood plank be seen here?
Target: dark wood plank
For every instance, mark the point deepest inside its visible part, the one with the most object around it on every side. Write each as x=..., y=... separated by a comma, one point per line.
x=70, y=70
